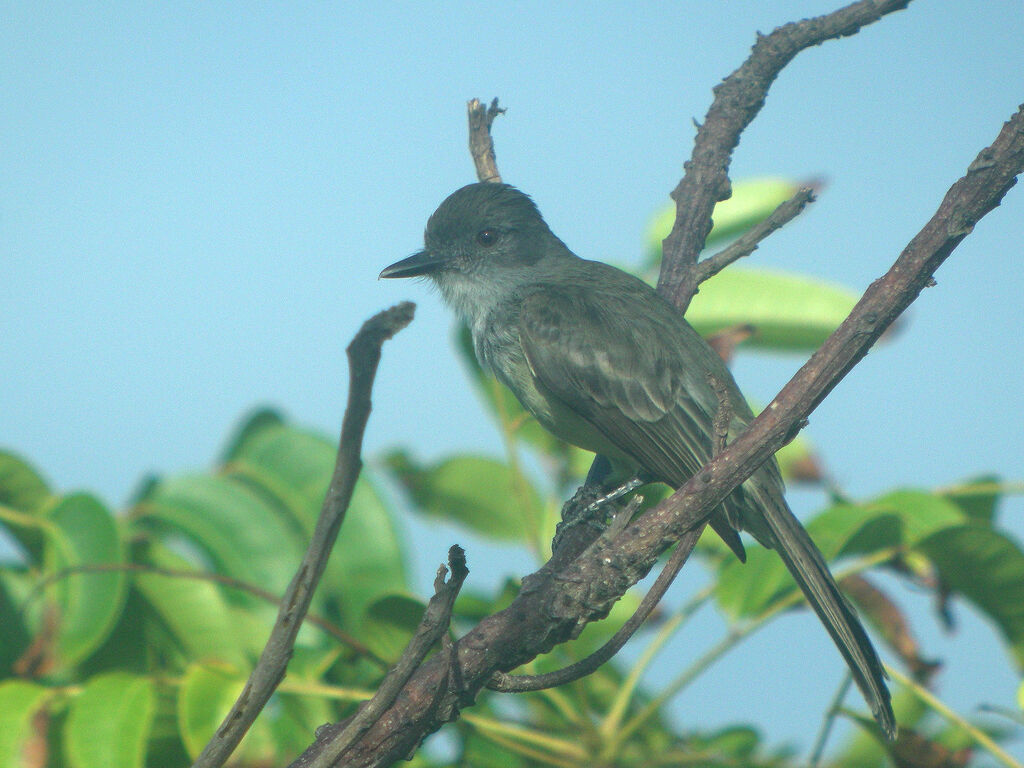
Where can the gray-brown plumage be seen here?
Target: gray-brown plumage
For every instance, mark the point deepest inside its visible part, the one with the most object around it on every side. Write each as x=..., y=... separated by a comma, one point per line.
x=605, y=363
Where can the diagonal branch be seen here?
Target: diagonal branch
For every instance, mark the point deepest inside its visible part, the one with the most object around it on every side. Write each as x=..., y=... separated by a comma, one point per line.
x=363, y=358
x=747, y=243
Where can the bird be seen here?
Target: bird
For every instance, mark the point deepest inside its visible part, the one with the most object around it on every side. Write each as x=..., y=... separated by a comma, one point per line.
x=604, y=362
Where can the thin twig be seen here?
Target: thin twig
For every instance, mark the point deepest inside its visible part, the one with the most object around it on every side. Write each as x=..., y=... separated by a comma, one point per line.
x=610, y=726
x=435, y=622
x=733, y=637
x=363, y=357
x=481, y=145
x=586, y=666
x=982, y=738
x=747, y=243
x=834, y=708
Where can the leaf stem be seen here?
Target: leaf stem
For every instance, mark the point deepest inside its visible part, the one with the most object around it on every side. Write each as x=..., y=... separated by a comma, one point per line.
x=956, y=719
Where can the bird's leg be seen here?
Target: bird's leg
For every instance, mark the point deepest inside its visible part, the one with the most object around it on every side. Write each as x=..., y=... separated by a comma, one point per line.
x=591, y=497
x=615, y=493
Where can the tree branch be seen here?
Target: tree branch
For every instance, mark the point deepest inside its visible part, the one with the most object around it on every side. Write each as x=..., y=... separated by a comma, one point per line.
x=363, y=357
x=737, y=101
x=481, y=145
x=748, y=242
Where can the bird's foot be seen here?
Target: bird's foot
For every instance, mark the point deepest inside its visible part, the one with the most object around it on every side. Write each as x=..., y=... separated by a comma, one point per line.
x=614, y=494
x=594, y=505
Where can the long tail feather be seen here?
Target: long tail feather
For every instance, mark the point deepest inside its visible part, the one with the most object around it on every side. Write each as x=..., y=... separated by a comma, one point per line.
x=800, y=554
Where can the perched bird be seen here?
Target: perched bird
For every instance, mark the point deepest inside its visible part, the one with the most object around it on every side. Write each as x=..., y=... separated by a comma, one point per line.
x=605, y=363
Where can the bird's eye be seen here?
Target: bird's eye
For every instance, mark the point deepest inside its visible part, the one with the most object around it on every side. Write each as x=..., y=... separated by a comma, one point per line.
x=487, y=237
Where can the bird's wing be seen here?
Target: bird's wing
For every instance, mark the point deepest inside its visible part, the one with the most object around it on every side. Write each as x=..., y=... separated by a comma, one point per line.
x=628, y=373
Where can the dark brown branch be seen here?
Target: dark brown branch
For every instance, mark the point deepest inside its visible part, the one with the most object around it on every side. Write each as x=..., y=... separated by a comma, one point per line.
x=481, y=146
x=507, y=683
x=573, y=589
x=737, y=101
x=433, y=625
x=363, y=358
x=988, y=179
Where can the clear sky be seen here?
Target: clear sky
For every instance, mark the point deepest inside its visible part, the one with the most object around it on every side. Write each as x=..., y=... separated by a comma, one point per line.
x=196, y=199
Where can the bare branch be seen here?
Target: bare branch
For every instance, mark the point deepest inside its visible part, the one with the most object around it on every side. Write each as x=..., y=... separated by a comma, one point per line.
x=481, y=146
x=988, y=179
x=363, y=358
x=737, y=101
x=747, y=243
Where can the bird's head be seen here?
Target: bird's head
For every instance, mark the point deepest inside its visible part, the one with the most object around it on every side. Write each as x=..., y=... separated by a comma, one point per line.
x=482, y=232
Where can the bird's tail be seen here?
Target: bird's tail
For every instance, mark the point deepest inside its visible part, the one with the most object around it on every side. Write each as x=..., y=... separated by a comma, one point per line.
x=803, y=559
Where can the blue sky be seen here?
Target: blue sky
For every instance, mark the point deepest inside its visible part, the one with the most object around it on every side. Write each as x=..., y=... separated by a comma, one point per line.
x=196, y=199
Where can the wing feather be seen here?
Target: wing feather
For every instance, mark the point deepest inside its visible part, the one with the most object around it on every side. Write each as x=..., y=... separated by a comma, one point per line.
x=630, y=380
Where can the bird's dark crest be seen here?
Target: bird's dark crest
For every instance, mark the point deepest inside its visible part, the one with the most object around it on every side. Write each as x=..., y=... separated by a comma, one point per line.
x=485, y=204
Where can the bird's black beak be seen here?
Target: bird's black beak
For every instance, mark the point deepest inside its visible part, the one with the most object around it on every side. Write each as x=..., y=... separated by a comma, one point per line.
x=422, y=263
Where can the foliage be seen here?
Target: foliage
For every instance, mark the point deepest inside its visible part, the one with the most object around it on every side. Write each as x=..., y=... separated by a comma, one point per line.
x=125, y=637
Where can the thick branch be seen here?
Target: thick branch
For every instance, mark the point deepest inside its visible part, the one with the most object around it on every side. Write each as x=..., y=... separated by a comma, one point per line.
x=558, y=600
x=363, y=358
x=737, y=101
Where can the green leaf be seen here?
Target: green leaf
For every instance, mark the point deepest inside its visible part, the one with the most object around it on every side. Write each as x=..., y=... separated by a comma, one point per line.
x=900, y=518
x=479, y=751
x=194, y=611
x=390, y=623
x=977, y=497
x=21, y=487
x=205, y=697
x=20, y=700
x=283, y=728
x=23, y=499
x=920, y=514
x=15, y=585
x=252, y=426
x=109, y=722
x=478, y=492
x=752, y=201
x=789, y=312
x=294, y=720
x=244, y=535
x=987, y=568
x=293, y=468
x=84, y=533
x=367, y=561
